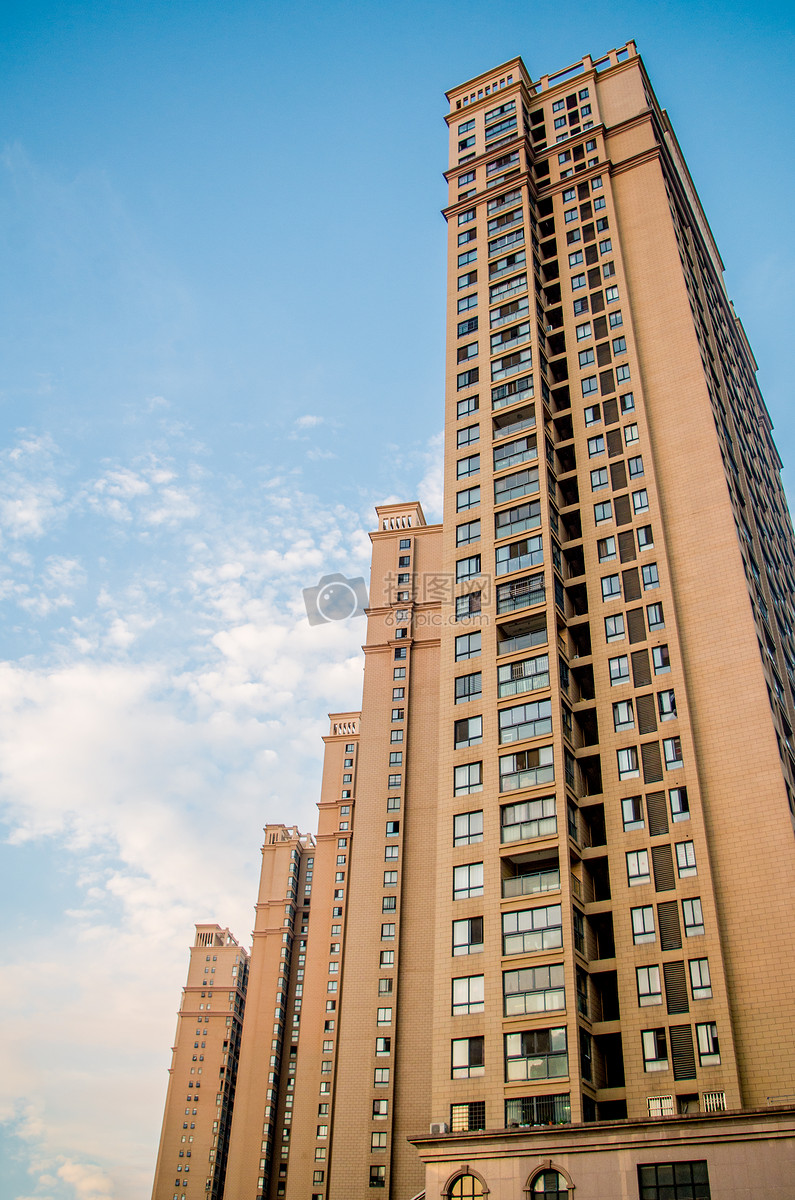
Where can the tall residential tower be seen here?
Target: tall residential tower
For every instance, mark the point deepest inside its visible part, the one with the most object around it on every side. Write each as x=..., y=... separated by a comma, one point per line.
x=558, y=928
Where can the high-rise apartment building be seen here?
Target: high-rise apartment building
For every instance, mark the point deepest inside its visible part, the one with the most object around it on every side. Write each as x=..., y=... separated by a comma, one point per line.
x=548, y=911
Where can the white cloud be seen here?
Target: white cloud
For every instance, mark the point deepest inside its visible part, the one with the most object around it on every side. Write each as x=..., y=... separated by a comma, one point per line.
x=431, y=484
x=308, y=421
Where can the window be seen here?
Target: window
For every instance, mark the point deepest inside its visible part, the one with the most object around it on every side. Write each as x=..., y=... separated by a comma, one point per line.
x=672, y=752
x=640, y=501
x=666, y=705
x=385, y=987
x=468, y=466
x=606, y=549
x=380, y=1108
x=469, y=568
x=469, y=498
x=623, y=376
x=632, y=814
x=465, y=534
x=680, y=808
x=469, y=256
x=468, y=436
x=468, y=936
x=661, y=660
x=655, y=1050
x=638, y=867
x=550, y=1183
x=616, y=317
x=593, y=414
x=693, y=917
x=527, y=768
x=524, y=721
x=467, y=687
x=467, y=605
x=577, y=282
x=384, y=1016
x=686, y=859
x=599, y=479
x=596, y=445
x=468, y=778
x=643, y=925
x=580, y=306
x=468, y=235
x=649, y=987
x=468, y=995
x=383, y=1045
x=464, y=1117
x=611, y=295
x=470, y=404
x=674, y=1181
x=532, y=929
x=634, y=465
x=532, y=819
x=628, y=763
x=378, y=1177
x=603, y=512
x=387, y=958
x=651, y=577
x=536, y=1054
x=611, y=587
x=465, y=217
x=390, y=878
x=527, y=675
x=627, y=403
x=623, y=715
x=619, y=670
x=583, y=331
x=614, y=630
x=575, y=258
x=468, y=351
x=468, y=881
x=467, y=645
x=468, y=828
x=654, y=614
x=391, y=853
x=708, y=1045
x=700, y=982
x=589, y=385
x=467, y=302
x=533, y=990
x=389, y=904
x=645, y=537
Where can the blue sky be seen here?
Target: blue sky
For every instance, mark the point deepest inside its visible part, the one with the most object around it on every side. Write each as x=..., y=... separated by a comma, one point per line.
x=221, y=328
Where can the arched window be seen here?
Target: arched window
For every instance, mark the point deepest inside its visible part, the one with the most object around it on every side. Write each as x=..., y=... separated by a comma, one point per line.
x=466, y=1187
x=551, y=1185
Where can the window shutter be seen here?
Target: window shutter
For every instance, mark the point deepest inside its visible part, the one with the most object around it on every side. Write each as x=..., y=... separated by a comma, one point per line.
x=618, y=475
x=603, y=355
x=675, y=987
x=657, y=812
x=670, y=929
x=647, y=719
x=631, y=581
x=652, y=762
x=588, y=235
x=623, y=514
x=594, y=277
x=610, y=407
x=641, y=670
x=626, y=544
x=600, y=331
x=597, y=302
x=635, y=621
x=663, y=864
x=684, y=1060
x=614, y=444
x=606, y=382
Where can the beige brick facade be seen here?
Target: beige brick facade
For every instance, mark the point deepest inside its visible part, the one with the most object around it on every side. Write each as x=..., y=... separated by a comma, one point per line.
x=554, y=875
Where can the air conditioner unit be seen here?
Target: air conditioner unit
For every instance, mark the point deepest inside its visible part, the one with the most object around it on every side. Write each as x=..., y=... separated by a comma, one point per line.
x=439, y=1127
x=550, y=328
